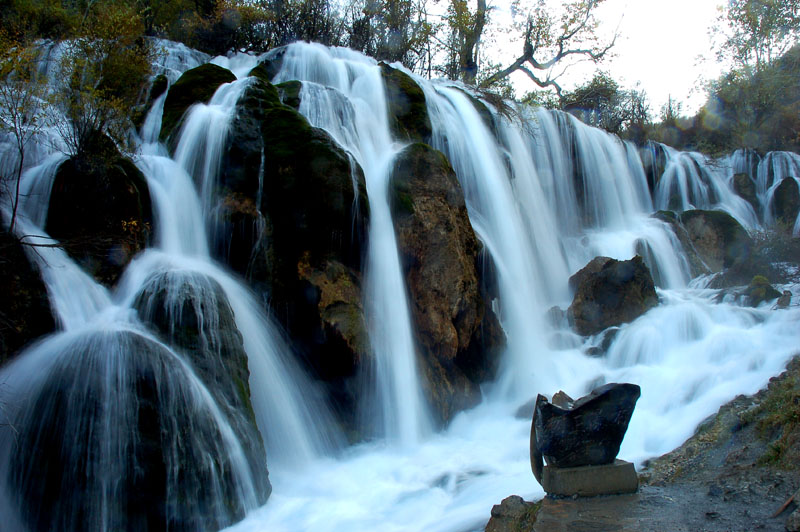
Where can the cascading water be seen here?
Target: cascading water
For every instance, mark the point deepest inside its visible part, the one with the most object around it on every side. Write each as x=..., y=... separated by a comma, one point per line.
x=343, y=93
x=545, y=194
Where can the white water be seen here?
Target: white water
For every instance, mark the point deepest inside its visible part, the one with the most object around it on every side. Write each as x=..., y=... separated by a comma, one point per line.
x=689, y=355
x=343, y=93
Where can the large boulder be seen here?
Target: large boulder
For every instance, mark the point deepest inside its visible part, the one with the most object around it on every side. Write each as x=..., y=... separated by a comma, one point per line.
x=191, y=313
x=291, y=217
x=617, y=293
x=117, y=434
x=408, y=110
x=585, y=432
x=786, y=202
x=24, y=307
x=197, y=85
x=457, y=331
x=100, y=210
x=654, y=162
x=513, y=514
x=720, y=241
x=759, y=290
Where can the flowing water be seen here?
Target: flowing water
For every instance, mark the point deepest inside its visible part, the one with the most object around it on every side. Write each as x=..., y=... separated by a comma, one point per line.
x=545, y=194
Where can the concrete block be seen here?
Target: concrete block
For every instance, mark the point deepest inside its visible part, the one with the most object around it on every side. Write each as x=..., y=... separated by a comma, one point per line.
x=588, y=481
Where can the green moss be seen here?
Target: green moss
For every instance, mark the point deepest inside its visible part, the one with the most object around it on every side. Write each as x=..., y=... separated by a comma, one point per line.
x=289, y=92
x=408, y=109
x=195, y=85
x=780, y=422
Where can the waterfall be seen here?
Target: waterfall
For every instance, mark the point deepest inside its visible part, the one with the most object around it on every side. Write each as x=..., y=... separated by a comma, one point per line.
x=126, y=374
x=343, y=93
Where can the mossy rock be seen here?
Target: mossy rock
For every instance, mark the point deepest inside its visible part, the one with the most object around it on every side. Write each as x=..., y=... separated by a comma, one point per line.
x=289, y=92
x=197, y=85
x=719, y=239
x=271, y=64
x=100, y=210
x=696, y=264
x=159, y=87
x=407, y=107
x=760, y=290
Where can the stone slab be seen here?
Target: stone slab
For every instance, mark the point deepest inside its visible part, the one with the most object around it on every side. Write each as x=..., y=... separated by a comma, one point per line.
x=589, y=481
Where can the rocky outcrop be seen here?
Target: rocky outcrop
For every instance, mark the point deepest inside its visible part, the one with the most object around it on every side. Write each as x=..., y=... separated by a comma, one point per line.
x=619, y=292
x=746, y=189
x=696, y=264
x=720, y=241
x=407, y=109
x=100, y=210
x=592, y=268
x=786, y=202
x=24, y=308
x=119, y=436
x=585, y=432
x=291, y=218
x=654, y=162
x=458, y=334
x=197, y=85
x=191, y=313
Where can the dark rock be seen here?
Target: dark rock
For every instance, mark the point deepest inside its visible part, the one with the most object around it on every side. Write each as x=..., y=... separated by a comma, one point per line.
x=197, y=85
x=159, y=87
x=292, y=218
x=191, y=312
x=592, y=268
x=618, y=293
x=272, y=62
x=654, y=161
x=760, y=290
x=457, y=331
x=289, y=93
x=100, y=210
x=408, y=111
x=746, y=188
x=786, y=202
x=513, y=514
x=720, y=241
x=24, y=307
x=696, y=264
x=589, y=433
x=117, y=418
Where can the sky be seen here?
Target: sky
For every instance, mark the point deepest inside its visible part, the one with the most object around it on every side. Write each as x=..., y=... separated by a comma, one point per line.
x=658, y=45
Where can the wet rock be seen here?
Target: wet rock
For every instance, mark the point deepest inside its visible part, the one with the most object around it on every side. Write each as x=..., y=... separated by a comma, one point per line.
x=654, y=161
x=191, y=313
x=786, y=202
x=100, y=210
x=408, y=111
x=24, y=307
x=197, y=85
x=292, y=219
x=513, y=514
x=746, y=188
x=117, y=417
x=588, y=433
x=760, y=290
x=592, y=268
x=619, y=292
x=289, y=93
x=272, y=62
x=720, y=241
x=457, y=331
x=696, y=264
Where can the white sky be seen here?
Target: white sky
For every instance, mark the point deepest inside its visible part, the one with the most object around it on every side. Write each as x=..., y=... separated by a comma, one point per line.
x=659, y=45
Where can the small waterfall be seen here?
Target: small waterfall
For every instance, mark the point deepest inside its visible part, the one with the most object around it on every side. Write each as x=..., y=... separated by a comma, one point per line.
x=343, y=93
